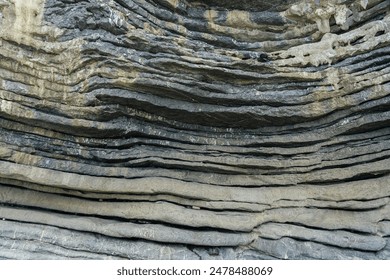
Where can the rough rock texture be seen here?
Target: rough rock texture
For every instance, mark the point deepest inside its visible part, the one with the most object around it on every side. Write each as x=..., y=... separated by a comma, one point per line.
x=173, y=129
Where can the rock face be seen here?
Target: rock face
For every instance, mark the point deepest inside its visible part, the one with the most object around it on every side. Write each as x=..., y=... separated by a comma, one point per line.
x=173, y=129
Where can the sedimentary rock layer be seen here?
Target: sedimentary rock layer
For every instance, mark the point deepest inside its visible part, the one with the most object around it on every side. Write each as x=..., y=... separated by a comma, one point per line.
x=175, y=129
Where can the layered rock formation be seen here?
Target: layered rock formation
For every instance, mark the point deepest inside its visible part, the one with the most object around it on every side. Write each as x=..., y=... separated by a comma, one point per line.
x=173, y=129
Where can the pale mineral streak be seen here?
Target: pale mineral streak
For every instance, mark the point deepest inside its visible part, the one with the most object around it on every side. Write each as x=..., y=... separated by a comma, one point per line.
x=183, y=129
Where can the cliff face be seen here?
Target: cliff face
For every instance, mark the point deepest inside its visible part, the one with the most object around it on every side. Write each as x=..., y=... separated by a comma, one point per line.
x=178, y=129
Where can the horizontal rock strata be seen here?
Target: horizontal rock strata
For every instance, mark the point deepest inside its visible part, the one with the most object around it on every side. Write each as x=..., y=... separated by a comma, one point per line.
x=181, y=129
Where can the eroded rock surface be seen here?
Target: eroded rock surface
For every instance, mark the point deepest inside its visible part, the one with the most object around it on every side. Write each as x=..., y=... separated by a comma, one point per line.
x=173, y=129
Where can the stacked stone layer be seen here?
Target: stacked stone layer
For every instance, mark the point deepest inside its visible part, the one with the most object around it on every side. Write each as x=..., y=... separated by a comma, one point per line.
x=175, y=129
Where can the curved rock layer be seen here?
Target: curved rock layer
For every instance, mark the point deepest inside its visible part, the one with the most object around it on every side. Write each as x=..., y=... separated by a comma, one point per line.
x=173, y=129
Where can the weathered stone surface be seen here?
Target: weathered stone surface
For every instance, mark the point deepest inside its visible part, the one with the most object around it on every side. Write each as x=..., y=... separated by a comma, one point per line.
x=181, y=129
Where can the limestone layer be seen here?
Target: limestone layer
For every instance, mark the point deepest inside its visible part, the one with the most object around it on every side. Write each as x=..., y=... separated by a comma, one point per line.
x=173, y=129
